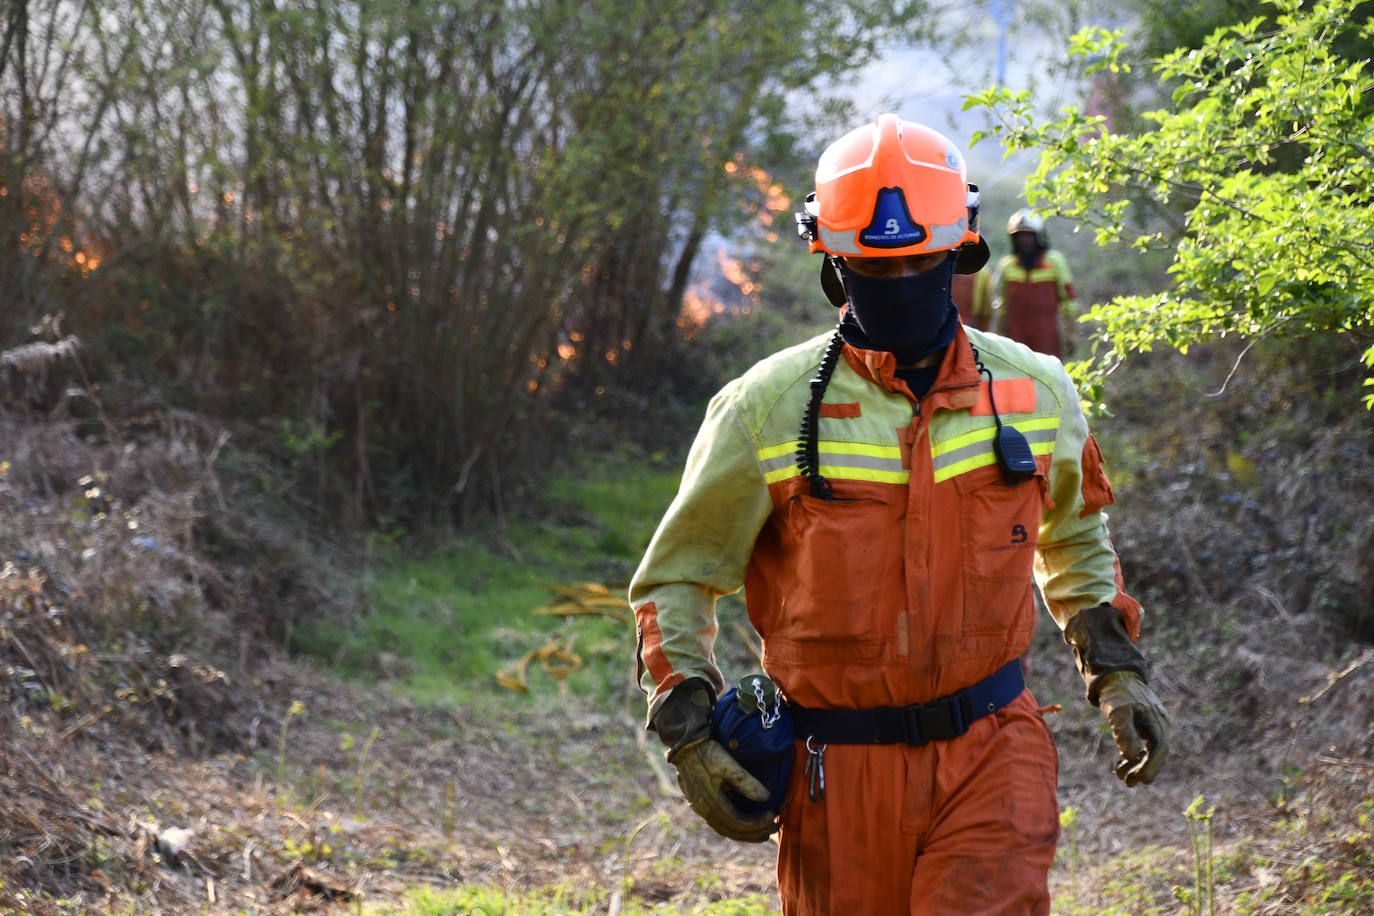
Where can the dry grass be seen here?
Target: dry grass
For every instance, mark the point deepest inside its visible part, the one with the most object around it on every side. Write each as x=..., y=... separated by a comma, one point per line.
x=144, y=706
x=1244, y=525
x=518, y=805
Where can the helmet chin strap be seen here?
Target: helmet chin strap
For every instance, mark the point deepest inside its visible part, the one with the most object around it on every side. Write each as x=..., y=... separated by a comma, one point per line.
x=830, y=282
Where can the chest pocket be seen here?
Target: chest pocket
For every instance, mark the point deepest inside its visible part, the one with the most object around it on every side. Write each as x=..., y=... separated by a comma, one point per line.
x=842, y=562
x=1000, y=526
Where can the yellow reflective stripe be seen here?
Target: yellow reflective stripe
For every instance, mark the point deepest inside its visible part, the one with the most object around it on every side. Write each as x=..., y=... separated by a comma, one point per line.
x=974, y=450
x=986, y=433
x=883, y=463
x=948, y=445
x=784, y=473
x=836, y=472
x=1038, y=275
x=860, y=448
x=1036, y=425
x=876, y=475
x=770, y=453
x=773, y=451
x=840, y=460
x=982, y=459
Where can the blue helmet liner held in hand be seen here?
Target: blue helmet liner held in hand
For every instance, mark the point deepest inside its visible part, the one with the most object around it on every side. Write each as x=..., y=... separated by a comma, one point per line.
x=754, y=724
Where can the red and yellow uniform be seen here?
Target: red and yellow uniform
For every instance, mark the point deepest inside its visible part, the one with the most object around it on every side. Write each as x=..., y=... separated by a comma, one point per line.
x=1031, y=300
x=913, y=583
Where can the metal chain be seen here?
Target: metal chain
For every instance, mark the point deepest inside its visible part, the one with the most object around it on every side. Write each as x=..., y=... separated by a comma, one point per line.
x=769, y=719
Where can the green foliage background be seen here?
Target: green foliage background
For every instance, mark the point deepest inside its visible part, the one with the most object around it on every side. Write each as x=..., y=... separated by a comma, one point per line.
x=1256, y=178
x=420, y=230
x=385, y=267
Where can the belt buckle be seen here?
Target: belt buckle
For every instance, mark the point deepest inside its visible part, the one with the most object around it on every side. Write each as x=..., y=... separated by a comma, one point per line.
x=944, y=719
x=912, y=733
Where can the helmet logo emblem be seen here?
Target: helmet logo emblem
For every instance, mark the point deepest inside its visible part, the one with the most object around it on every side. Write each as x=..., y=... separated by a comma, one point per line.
x=892, y=225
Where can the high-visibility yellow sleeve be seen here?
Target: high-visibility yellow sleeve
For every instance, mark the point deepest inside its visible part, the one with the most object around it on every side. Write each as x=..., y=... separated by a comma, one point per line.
x=699, y=553
x=1076, y=566
x=1064, y=280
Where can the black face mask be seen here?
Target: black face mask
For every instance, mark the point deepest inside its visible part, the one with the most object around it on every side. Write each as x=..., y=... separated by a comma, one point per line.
x=910, y=317
x=1027, y=249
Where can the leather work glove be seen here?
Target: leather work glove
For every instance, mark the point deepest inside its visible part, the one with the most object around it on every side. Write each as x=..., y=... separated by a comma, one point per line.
x=1139, y=724
x=1114, y=674
x=705, y=769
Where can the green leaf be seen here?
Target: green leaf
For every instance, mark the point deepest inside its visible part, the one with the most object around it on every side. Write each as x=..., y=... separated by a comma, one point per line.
x=1261, y=168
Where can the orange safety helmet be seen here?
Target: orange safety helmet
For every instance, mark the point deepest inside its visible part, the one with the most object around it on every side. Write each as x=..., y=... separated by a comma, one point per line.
x=894, y=188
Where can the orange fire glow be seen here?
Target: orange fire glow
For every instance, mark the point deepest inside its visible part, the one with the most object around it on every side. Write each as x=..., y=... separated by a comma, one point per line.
x=772, y=199
x=734, y=271
x=42, y=208
x=696, y=309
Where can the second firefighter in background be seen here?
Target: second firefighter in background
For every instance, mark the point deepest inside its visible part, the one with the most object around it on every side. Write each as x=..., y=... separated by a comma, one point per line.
x=1034, y=288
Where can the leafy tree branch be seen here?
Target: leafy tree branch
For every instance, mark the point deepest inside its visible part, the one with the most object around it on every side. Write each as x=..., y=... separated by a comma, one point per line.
x=1265, y=157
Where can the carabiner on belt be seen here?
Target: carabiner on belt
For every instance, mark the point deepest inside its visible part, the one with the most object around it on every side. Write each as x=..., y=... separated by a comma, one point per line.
x=815, y=770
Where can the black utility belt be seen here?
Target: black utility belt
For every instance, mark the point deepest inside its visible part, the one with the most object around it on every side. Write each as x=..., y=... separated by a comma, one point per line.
x=938, y=720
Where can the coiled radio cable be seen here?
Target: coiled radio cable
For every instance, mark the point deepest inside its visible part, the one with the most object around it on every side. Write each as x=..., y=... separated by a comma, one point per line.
x=808, y=449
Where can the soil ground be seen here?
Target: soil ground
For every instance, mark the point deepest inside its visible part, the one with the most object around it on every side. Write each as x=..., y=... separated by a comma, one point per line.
x=192, y=790
x=566, y=798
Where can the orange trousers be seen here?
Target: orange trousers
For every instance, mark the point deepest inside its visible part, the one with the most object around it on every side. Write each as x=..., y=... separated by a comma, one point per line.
x=966, y=827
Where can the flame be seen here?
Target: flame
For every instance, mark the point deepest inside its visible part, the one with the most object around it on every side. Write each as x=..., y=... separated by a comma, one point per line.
x=774, y=200
x=696, y=309
x=709, y=297
x=734, y=270
x=42, y=207
x=769, y=193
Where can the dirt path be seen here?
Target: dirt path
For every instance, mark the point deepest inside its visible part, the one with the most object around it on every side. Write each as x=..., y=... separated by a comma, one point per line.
x=565, y=796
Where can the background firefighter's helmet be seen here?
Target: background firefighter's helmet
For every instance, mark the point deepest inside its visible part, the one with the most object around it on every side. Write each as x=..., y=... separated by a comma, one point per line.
x=1027, y=220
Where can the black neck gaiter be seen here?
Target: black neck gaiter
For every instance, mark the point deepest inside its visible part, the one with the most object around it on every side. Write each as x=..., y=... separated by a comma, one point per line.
x=910, y=317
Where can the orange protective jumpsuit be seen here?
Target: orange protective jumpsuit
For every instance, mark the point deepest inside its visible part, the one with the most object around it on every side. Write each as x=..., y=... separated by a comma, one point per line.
x=1032, y=299
x=913, y=583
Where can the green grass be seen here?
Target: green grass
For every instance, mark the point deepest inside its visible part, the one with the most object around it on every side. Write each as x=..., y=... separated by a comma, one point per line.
x=1321, y=864
x=450, y=621
x=442, y=626
x=560, y=900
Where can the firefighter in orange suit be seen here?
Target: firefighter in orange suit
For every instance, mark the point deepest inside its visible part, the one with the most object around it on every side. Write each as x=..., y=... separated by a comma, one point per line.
x=883, y=495
x=1034, y=286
